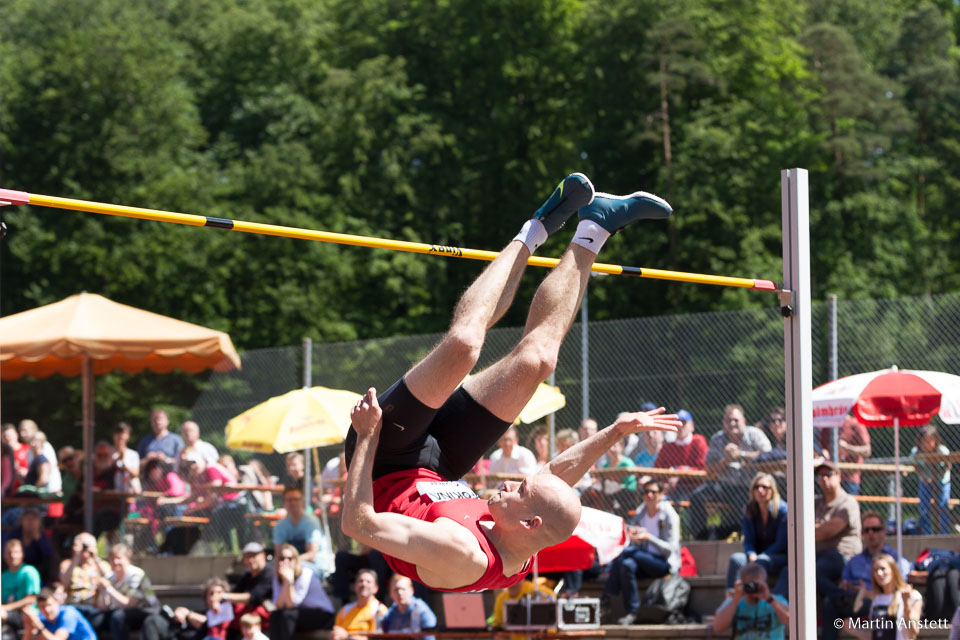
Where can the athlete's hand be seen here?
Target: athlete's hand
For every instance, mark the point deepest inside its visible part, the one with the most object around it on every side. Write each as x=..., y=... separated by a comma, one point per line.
x=654, y=420
x=365, y=416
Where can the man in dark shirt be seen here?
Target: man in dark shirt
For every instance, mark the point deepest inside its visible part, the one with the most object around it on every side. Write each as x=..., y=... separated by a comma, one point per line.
x=253, y=588
x=38, y=550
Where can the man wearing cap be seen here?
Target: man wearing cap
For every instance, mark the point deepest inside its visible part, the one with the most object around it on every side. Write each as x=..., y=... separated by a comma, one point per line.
x=836, y=528
x=688, y=452
x=252, y=589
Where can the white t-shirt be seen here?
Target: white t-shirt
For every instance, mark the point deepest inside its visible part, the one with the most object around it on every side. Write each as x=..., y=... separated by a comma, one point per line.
x=896, y=628
x=521, y=460
x=121, y=479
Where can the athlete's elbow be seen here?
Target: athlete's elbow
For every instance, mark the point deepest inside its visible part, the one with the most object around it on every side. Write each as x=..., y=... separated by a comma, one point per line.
x=353, y=523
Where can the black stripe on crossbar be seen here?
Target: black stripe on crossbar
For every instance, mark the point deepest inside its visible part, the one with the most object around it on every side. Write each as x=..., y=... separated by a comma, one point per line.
x=219, y=223
x=632, y=271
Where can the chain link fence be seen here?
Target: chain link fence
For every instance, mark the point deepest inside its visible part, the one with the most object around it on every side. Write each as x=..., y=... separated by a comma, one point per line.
x=697, y=362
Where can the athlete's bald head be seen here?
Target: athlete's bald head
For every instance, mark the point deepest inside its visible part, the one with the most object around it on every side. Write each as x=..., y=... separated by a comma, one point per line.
x=558, y=504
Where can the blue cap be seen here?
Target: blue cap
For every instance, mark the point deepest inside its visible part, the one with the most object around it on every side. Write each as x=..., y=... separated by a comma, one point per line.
x=684, y=415
x=647, y=406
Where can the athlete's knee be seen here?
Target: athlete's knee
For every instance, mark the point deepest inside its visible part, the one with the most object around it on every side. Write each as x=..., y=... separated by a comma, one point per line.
x=464, y=344
x=537, y=357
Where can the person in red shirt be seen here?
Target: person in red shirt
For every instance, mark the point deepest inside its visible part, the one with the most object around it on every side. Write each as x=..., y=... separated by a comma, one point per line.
x=402, y=497
x=21, y=450
x=853, y=445
x=688, y=452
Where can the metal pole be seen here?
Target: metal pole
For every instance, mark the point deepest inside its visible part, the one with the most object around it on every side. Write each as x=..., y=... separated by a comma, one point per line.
x=835, y=432
x=87, y=443
x=584, y=358
x=899, y=489
x=795, y=305
x=307, y=383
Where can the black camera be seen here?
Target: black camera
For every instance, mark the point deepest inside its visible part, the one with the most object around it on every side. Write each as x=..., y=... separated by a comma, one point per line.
x=751, y=587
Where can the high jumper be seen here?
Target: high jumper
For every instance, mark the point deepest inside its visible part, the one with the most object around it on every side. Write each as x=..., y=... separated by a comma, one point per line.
x=409, y=446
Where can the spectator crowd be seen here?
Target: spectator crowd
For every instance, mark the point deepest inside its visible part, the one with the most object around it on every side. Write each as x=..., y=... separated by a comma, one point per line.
x=175, y=490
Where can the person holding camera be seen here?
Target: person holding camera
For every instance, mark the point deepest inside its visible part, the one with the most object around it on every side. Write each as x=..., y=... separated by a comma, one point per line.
x=752, y=609
x=81, y=574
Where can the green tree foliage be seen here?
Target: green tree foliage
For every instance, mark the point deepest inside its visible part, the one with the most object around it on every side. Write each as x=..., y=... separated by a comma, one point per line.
x=448, y=121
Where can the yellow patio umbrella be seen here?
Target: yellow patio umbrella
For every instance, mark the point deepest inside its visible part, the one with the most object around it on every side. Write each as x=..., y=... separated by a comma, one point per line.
x=300, y=419
x=546, y=400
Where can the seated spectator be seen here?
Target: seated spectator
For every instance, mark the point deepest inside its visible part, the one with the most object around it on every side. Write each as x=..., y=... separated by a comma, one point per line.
x=934, y=479
x=729, y=449
x=250, y=624
x=516, y=593
x=511, y=457
x=751, y=611
x=190, y=432
x=620, y=492
x=295, y=468
x=302, y=530
x=40, y=476
x=653, y=552
x=28, y=429
x=896, y=605
x=836, y=529
x=407, y=613
x=764, y=533
x=210, y=624
x=126, y=478
x=298, y=595
x=364, y=613
x=158, y=476
x=253, y=588
x=38, y=550
x=125, y=599
x=21, y=450
x=859, y=571
x=853, y=445
x=255, y=473
x=540, y=445
x=81, y=573
x=162, y=444
x=21, y=584
x=687, y=452
x=347, y=565
x=647, y=456
x=53, y=620
x=8, y=470
x=71, y=470
x=106, y=517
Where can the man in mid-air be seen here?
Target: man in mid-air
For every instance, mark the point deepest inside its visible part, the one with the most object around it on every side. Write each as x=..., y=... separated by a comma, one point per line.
x=408, y=447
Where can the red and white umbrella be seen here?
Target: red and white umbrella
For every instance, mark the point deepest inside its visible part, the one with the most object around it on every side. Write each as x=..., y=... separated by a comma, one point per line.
x=889, y=397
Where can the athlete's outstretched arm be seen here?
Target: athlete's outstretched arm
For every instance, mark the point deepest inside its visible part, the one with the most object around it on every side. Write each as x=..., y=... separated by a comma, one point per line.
x=429, y=545
x=570, y=465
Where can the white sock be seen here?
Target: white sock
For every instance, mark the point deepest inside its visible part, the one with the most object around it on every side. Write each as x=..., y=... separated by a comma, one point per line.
x=533, y=234
x=590, y=235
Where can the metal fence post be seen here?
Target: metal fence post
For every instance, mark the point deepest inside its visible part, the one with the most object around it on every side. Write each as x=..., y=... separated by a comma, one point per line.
x=307, y=383
x=584, y=359
x=832, y=307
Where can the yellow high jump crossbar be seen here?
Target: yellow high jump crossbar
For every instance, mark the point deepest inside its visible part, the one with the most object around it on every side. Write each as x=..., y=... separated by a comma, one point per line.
x=12, y=197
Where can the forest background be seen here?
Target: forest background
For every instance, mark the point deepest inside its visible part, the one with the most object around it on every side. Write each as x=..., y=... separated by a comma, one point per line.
x=449, y=121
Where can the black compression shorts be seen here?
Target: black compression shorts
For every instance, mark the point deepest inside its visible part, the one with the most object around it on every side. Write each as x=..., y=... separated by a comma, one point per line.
x=448, y=440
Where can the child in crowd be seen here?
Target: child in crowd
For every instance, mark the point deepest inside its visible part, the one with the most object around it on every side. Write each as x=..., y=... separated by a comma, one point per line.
x=250, y=625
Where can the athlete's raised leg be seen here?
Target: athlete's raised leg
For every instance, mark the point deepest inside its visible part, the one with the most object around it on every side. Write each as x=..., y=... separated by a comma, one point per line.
x=441, y=371
x=506, y=387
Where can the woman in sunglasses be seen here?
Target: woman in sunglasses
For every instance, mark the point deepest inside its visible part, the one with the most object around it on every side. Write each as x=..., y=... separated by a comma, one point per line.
x=764, y=529
x=301, y=602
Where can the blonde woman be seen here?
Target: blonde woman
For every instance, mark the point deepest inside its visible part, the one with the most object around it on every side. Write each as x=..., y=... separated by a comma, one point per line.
x=895, y=607
x=764, y=528
x=301, y=603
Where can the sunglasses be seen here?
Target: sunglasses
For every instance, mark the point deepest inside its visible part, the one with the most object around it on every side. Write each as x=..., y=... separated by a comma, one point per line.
x=872, y=529
x=286, y=558
x=652, y=492
x=762, y=486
